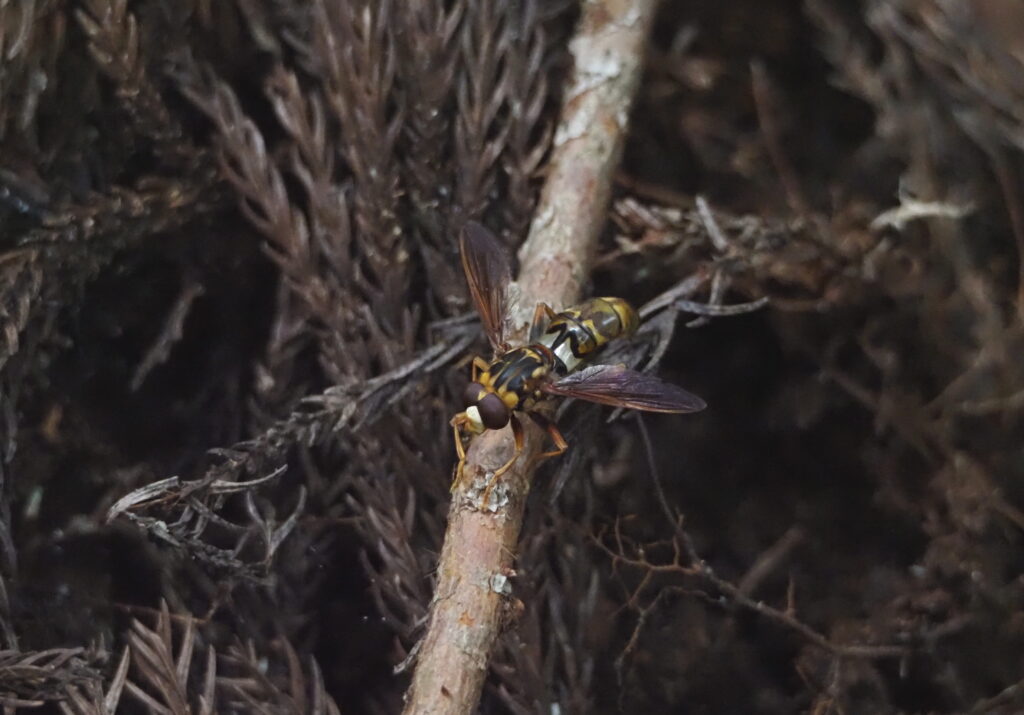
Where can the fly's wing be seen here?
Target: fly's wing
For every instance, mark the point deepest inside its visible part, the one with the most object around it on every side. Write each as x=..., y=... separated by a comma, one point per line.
x=619, y=386
x=488, y=273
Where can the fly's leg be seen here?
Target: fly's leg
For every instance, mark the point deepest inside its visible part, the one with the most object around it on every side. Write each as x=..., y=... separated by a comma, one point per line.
x=556, y=435
x=479, y=365
x=542, y=317
x=517, y=432
x=517, y=436
x=477, y=362
x=456, y=423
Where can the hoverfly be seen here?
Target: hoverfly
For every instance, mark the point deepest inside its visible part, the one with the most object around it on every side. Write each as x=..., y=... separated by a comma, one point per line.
x=518, y=378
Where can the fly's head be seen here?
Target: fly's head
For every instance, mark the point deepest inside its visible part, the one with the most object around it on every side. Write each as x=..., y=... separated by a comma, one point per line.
x=484, y=409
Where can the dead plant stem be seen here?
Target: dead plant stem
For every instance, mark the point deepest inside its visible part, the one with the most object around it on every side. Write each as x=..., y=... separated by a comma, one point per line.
x=472, y=600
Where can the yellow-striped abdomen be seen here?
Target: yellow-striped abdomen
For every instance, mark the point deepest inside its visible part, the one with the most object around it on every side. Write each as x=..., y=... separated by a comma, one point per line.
x=579, y=331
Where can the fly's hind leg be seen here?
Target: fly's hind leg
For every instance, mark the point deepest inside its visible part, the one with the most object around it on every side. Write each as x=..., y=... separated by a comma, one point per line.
x=554, y=433
x=542, y=317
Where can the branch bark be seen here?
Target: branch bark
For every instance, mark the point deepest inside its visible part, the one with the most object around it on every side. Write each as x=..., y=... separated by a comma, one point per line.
x=471, y=602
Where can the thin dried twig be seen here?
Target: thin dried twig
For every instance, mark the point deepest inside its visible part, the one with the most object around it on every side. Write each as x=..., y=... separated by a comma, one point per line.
x=171, y=334
x=186, y=507
x=470, y=598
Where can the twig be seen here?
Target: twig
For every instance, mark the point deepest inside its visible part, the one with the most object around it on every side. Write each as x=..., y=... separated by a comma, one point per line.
x=170, y=335
x=1010, y=187
x=468, y=609
x=738, y=595
x=766, y=103
x=1004, y=697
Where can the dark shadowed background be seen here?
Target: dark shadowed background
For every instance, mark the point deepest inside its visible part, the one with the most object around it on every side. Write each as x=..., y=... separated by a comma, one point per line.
x=234, y=327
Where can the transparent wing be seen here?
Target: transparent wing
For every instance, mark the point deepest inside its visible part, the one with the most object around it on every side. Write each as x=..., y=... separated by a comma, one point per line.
x=619, y=386
x=488, y=273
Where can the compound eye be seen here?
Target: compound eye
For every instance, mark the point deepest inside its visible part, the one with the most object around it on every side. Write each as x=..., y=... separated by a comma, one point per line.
x=471, y=395
x=493, y=411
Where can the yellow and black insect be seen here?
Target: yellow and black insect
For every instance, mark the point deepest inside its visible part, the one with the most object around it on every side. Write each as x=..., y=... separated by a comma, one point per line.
x=517, y=379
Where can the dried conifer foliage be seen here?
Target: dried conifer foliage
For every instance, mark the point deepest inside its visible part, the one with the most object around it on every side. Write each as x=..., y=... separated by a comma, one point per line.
x=233, y=328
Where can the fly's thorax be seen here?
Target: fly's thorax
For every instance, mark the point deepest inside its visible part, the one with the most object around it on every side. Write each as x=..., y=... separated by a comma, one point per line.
x=518, y=374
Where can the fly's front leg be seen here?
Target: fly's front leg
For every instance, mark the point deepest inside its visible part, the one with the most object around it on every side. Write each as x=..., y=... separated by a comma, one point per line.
x=456, y=424
x=542, y=317
x=517, y=437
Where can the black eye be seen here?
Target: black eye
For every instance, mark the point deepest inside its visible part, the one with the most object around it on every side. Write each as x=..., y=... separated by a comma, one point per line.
x=471, y=395
x=493, y=412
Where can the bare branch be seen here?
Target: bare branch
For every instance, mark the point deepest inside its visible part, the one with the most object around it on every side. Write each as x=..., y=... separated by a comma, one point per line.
x=472, y=587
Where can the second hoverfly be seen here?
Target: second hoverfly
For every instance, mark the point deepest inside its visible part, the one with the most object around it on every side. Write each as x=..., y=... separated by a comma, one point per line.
x=517, y=379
